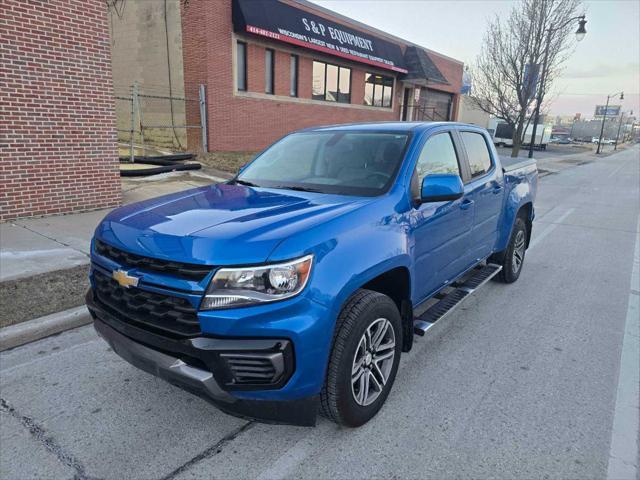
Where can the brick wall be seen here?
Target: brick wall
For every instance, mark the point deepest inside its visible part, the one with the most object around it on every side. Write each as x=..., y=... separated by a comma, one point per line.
x=58, y=149
x=249, y=121
x=237, y=122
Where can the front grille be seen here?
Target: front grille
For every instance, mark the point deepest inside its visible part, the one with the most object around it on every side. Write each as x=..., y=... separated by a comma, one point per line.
x=183, y=270
x=165, y=313
x=254, y=368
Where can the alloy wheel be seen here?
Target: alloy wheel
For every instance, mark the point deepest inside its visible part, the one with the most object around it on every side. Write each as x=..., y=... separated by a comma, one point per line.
x=518, y=252
x=373, y=361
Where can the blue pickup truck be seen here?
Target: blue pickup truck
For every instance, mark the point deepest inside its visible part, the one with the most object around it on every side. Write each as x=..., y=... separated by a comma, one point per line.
x=293, y=289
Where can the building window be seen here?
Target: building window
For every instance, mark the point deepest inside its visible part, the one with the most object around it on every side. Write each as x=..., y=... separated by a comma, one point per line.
x=331, y=83
x=378, y=90
x=293, y=86
x=269, y=68
x=241, y=65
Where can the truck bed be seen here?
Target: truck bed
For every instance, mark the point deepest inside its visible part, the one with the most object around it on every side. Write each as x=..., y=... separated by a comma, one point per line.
x=510, y=164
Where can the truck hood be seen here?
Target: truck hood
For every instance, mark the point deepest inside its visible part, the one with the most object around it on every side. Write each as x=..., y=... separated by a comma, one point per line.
x=220, y=224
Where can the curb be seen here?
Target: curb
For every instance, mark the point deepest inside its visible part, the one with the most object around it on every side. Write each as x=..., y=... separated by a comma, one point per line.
x=38, y=328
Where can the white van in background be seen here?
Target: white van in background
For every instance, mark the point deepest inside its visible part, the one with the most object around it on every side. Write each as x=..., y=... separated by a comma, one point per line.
x=502, y=134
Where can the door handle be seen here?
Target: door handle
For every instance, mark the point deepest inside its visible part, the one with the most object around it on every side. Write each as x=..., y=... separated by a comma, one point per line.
x=466, y=204
x=497, y=189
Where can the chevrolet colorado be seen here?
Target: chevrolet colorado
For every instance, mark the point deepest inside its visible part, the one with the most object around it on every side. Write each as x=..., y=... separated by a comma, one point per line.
x=293, y=288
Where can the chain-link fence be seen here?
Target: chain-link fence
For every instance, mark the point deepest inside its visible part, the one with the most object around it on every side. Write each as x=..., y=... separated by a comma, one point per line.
x=151, y=121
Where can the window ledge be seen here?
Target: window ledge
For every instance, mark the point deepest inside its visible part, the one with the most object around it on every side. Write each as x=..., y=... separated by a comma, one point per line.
x=309, y=101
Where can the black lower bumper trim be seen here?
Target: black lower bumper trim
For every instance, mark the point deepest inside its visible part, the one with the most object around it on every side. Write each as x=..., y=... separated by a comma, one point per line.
x=202, y=382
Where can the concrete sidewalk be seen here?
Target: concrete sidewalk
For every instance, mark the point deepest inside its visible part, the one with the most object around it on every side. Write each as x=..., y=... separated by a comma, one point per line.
x=44, y=261
x=38, y=245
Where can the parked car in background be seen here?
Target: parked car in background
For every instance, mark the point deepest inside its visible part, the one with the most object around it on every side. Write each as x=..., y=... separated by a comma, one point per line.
x=292, y=288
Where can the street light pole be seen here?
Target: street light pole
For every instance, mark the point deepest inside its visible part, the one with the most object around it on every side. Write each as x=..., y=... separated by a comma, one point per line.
x=580, y=33
x=615, y=145
x=604, y=117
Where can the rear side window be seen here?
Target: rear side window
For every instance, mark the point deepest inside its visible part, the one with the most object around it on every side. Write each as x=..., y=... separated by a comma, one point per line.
x=478, y=153
x=437, y=156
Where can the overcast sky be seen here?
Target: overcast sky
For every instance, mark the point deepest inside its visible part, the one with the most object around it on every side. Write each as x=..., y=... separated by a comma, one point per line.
x=606, y=61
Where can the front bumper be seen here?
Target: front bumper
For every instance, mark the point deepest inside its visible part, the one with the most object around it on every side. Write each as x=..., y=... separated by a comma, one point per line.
x=193, y=365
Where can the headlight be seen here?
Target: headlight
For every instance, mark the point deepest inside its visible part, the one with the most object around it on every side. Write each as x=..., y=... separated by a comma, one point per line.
x=237, y=287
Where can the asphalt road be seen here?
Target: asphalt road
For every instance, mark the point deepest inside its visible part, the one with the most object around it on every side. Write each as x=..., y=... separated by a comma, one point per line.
x=524, y=381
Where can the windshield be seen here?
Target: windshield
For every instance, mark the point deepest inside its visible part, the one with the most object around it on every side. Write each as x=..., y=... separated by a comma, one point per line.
x=347, y=163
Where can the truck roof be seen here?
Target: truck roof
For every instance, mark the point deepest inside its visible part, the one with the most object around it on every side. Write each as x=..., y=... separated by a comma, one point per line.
x=385, y=126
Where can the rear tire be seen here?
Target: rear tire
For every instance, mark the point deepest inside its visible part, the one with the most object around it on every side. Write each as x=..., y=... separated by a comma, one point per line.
x=512, y=259
x=364, y=359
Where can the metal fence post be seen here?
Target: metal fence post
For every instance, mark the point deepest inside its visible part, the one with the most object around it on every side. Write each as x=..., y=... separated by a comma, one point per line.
x=134, y=104
x=140, y=111
x=203, y=117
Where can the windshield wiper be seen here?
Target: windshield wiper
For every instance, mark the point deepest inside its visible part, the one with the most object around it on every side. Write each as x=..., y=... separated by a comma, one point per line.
x=298, y=189
x=244, y=182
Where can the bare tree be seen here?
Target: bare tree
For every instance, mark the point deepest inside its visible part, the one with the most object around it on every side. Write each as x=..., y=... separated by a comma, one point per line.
x=505, y=71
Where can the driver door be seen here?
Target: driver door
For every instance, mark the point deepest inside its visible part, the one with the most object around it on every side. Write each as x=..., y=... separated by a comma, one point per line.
x=440, y=230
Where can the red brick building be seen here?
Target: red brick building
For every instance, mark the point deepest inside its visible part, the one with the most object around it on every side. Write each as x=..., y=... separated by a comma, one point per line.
x=273, y=66
x=58, y=150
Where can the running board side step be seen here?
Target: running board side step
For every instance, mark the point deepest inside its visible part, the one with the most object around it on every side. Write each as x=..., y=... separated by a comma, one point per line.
x=449, y=302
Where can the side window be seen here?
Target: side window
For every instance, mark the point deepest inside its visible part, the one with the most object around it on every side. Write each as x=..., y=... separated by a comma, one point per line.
x=477, y=152
x=438, y=156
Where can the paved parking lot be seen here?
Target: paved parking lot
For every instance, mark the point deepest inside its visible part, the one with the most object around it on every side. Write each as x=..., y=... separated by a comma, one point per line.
x=521, y=382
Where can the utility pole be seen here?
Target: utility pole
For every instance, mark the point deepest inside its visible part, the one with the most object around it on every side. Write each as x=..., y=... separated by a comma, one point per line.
x=604, y=117
x=615, y=146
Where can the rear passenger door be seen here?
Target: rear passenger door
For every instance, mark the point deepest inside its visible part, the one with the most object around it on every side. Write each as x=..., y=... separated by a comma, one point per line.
x=485, y=188
x=440, y=230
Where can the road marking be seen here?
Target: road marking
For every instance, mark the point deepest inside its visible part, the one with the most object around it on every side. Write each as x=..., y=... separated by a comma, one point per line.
x=550, y=228
x=624, y=441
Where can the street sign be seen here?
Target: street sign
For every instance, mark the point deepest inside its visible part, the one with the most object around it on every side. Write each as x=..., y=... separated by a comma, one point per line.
x=466, y=83
x=611, y=110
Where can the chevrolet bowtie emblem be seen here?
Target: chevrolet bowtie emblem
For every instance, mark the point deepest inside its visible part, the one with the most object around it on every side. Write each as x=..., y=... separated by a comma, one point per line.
x=124, y=279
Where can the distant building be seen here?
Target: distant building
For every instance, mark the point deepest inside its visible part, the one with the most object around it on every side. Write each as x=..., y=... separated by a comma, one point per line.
x=587, y=130
x=471, y=113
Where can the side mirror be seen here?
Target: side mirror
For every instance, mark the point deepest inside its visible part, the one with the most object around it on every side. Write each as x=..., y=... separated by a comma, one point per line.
x=441, y=187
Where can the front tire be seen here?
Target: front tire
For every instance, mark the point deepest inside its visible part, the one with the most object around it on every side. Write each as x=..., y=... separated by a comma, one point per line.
x=512, y=259
x=364, y=360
